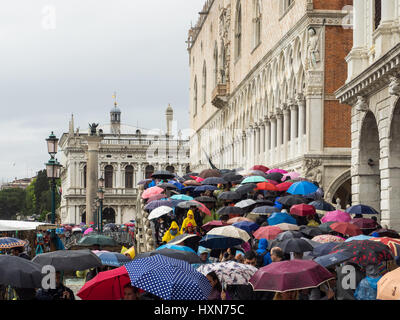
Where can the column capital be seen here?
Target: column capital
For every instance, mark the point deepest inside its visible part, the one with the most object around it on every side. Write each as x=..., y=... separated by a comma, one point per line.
x=394, y=85
x=300, y=98
x=278, y=113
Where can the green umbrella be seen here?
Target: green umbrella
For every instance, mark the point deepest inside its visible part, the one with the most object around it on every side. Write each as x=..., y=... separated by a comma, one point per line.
x=97, y=239
x=254, y=179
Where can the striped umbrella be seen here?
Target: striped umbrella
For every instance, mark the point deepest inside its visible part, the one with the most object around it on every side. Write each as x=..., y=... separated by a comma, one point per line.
x=8, y=243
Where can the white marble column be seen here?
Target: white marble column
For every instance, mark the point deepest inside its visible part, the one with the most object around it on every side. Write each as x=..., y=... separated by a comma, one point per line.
x=301, y=105
x=279, y=124
x=262, y=140
x=293, y=128
x=273, y=139
x=286, y=112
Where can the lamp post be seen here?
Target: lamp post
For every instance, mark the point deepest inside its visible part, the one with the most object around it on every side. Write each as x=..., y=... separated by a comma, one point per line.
x=53, y=168
x=100, y=196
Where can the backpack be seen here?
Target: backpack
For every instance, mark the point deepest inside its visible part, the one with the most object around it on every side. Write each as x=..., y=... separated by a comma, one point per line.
x=260, y=259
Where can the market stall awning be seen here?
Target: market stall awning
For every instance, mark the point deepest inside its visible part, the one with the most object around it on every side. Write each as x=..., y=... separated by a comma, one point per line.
x=14, y=225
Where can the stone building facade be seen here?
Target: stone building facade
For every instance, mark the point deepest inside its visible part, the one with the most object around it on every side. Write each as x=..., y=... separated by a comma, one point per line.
x=126, y=155
x=263, y=77
x=372, y=89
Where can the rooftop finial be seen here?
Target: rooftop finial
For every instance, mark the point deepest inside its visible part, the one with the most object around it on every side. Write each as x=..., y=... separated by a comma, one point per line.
x=115, y=98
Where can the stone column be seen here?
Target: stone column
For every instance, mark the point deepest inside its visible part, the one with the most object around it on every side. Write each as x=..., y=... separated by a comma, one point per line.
x=262, y=140
x=293, y=127
x=119, y=215
x=273, y=139
x=385, y=37
x=301, y=105
x=267, y=139
x=286, y=112
x=92, y=175
x=279, y=116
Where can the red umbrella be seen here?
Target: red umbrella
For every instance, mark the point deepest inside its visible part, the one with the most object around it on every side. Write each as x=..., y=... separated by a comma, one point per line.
x=364, y=223
x=202, y=207
x=269, y=232
x=260, y=167
x=214, y=224
x=284, y=186
x=346, y=228
x=266, y=186
x=302, y=210
x=290, y=275
x=107, y=285
x=392, y=243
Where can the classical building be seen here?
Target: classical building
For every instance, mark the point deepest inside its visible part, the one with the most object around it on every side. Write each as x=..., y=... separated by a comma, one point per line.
x=124, y=155
x=263, y=77
x=372, y=89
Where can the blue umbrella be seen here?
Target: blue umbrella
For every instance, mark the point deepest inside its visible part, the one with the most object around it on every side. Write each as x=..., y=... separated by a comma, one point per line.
x=361, y=209
x=180, y=186
x=113, y=259
x=302, y=187
x=248, y=226
x=188, y=189
x=175, y=247
x=205, y=188
x=277, y=204
x=181, y=197
x=281, y=217
x=168, y=278
x=333, y=258
x=323, y=249
x=359, y=237
x=219, y=242
x=158, y=203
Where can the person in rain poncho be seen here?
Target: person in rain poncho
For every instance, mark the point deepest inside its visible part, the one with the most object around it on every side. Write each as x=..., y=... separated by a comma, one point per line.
x=367, y=288
x=263, y=252
x=172, y=232
x=204, y=255
x=189, y=219
x=130, y=253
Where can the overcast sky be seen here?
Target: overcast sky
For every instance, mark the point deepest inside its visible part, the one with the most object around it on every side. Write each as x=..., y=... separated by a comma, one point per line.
x=61, y=57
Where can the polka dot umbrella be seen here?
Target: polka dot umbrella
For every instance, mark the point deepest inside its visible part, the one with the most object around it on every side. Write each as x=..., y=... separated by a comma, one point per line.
x=168, y=278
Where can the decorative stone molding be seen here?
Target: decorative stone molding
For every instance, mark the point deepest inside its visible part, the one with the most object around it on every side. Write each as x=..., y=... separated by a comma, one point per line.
x=394, y=86
x=313, y=170
x=362, y=104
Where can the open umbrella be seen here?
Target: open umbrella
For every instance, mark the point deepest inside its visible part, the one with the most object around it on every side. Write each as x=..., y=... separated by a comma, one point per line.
x=322, y=205
x=253, y=179
x=113, y=259
x=324, y=238
x=230, y=210
x=291, y=176
x=20, y=273
x=8, y=243
x=277, y=170
x=168, y=278
x=247, y=226
x=276, y=176
x=346, y=228
x=292, y=200
x=336, y=216
x=229, y=195
x=159, y=212
x=280, y=217
x=323, y=249
x=205, y=199
x=231, y=232
x=268, y=232
x=245, y=203
x=310, y=232
x=238, y=219
x=229, y=272
x=232, y=177
x=181, y=197
x=188, y=256
x=97, y=239
x=158, y=203
x=386, y=233
x=333, y=259
x=194, y=203
x=106, y=285
x=302, y=210
x=283, y=186
x=392, y=243
x=69, y=260
x=167, y=186
x=361, y=209
x=295, y=245
x=302, y=188
x=326, y=227
x=213, y=224
x=260, y=167
x=364, y=223
x=289, y=235
x=290, y=275
x=266, y=186
x=205, y=188
x=246, y=188
x=388, y=286
x=157, y=197
x=288, y=227
x=87, y=231
x=192, y=183
x=213, y=181
x=207, y=173
x=360, y=237
x=163, y=174
x=219, y=242
x=365, y=252
x=263, y=210
x=151, y=192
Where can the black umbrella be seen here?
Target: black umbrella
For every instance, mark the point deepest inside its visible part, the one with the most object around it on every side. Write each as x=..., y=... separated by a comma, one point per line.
x=230, y=210
x=205, y=199
x=264, y=202
x=232, y=177
x=163, y=174
x=290, y=201
x=213, y=181
x=276, y=176
x=325, y=227
x=19, y=272
x=295, y=245
x=289, y=235
x=333, y=259
x=69, y=260
x=188, y=256
x=167, y=186
x=310, y=232
x=226, y=171
x=229, y=195
x=264, y=210
x=322, y=205
x=323, y=249
x=246, y=188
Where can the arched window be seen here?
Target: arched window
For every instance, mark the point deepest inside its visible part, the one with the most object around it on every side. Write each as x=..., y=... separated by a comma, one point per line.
x=129, y=177
x=149, y=171
x=257, y=22
x=238, y=30
x=204, y=83
x=84, y=176
x=377, y=13
x=195, y=97
x=108, y=173
x=215, y=65
x=170, y=169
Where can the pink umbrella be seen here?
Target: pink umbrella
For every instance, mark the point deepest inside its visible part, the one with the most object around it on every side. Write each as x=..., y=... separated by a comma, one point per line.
x=87, y=231
x=325, y=238
x=336, y=216
x=277, y=170
x=199, y=179
x=291, y=176
x=269, y=232
x=152, y=192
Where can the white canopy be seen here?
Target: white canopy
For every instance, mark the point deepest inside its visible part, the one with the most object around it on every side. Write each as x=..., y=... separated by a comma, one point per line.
x=14, y=225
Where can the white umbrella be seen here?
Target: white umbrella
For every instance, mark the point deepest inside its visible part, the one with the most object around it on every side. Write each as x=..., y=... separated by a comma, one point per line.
x=245, y=203
x=231, y=232
x=159, y=212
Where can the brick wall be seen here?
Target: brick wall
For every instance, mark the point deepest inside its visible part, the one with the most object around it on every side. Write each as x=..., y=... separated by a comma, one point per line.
x=331, y=4
x=337, y=117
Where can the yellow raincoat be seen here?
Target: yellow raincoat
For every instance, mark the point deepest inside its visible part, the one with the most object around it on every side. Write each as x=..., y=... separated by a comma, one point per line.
x=131, y=252
x=124, y=249
x=168, y=236
x=189, y=219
